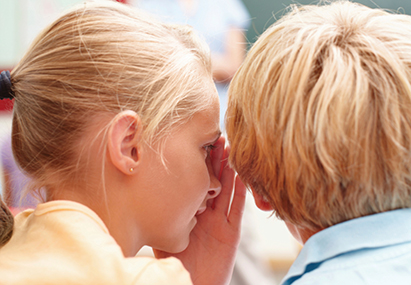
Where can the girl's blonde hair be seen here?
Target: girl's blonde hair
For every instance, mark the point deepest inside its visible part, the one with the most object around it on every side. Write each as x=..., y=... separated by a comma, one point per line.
x=102, y=58
x=319, y=115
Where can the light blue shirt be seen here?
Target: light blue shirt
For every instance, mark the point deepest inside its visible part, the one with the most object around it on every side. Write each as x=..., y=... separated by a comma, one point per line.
x=375, y=249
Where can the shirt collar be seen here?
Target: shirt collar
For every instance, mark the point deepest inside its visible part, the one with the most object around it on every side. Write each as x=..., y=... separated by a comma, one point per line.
x=378, y=230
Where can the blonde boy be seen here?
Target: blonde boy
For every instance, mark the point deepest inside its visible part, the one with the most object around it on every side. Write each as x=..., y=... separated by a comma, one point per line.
x=319, y=122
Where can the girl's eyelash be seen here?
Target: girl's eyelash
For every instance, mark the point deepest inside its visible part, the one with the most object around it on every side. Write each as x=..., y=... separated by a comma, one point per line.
x=209, y=148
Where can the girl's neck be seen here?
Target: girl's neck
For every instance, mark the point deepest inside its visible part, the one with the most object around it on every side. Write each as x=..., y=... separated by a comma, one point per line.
x=111, y=212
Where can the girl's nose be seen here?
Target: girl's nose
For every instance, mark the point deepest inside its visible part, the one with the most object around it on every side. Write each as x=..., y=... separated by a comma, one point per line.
x=215, y=185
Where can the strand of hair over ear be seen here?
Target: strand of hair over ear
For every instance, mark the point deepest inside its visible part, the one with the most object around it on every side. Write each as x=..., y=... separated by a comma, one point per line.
x=5, y=86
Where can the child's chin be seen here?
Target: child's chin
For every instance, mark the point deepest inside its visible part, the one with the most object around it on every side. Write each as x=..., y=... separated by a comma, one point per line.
x=180, y=245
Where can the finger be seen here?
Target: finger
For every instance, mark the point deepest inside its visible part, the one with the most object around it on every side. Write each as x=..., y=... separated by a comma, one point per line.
x=238, y=203
x=224, y=161
x=217, y=155
x=222, y=201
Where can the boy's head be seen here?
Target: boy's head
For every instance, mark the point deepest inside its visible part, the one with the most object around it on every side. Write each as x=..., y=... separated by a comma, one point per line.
x=319, y=115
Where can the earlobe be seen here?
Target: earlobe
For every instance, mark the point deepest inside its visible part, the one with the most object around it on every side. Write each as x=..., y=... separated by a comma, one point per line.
x=124, y=137
x=261, y=202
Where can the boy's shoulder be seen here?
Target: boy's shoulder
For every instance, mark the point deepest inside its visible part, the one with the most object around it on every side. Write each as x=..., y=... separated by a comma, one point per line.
x=374, y=249
x=389, y=265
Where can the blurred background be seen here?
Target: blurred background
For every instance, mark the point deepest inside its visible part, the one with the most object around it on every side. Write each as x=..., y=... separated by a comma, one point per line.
x=267, y=242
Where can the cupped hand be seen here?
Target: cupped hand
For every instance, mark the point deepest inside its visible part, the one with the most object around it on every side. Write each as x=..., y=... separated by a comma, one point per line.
x=214, y=240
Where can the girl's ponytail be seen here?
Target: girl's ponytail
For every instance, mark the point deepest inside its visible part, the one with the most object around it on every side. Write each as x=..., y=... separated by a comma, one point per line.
x=6, y=223
x=6, y=217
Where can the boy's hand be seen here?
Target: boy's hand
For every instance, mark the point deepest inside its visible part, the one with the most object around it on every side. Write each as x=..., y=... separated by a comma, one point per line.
x=213, y=242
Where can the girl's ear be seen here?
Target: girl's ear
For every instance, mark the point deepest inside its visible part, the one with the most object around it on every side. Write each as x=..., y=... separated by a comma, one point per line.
x=261, y=202
x=124, y=136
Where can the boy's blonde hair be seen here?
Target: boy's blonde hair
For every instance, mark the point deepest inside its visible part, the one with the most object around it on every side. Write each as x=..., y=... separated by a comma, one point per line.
x=102, y=58
x=319, y=115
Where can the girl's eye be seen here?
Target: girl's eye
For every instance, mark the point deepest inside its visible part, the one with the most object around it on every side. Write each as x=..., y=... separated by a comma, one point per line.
x=209, y=148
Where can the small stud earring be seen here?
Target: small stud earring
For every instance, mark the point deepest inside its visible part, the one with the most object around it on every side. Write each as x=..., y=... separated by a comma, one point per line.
x=131, y=169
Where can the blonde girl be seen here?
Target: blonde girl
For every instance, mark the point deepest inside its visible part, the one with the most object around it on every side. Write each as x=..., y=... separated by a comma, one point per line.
x=116, y=119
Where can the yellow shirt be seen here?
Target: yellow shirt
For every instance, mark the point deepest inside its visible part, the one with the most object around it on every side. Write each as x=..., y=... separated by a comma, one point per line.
x=63, y=242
